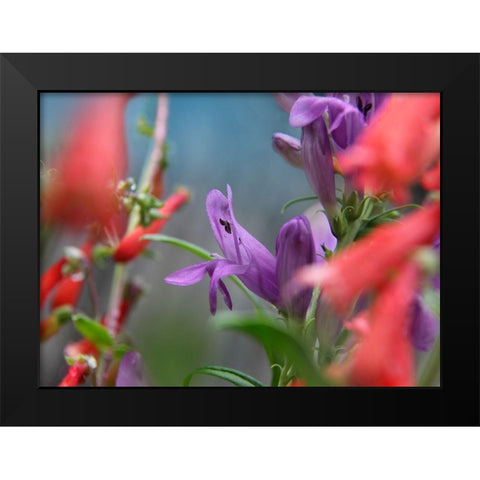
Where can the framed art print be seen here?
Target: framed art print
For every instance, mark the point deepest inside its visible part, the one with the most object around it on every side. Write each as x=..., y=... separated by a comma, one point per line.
x=261, y=239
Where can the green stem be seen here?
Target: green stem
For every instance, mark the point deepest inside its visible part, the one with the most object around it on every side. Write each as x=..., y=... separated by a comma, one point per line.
x=353, y=229
x=155, y=157
x=431, y=368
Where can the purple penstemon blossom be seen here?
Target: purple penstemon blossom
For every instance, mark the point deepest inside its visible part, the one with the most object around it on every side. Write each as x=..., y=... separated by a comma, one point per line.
x=368, y=103
x=131, y=371
x=295, y=248
x=424, y=326
x=329, y=124
x=250, y=260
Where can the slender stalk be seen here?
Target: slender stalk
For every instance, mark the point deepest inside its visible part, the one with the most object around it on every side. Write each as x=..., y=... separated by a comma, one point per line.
x=119, y=274
x=156, y=155
x=93, y=295
x=350, y=236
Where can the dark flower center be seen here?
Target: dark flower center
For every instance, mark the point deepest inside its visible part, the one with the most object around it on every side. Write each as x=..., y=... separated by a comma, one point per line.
x=364, y=109
x=226, y=224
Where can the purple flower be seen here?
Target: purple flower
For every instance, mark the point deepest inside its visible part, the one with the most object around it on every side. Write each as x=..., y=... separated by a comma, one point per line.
x=424, y=326
x=367, y=103
x=247, y=258
x=329, y=124
x=289, y=148
x=286, y=100
x=322, y=233
x=295, y=248
x=324, y=119
x=131, y=372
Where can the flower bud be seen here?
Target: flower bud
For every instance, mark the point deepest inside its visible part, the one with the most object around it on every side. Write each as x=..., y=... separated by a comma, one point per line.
x=131, y=245
x=50, y=279
x=131, y=372
x=289, y=148
x=77, y=374
x=295, y=248
x=52, y=324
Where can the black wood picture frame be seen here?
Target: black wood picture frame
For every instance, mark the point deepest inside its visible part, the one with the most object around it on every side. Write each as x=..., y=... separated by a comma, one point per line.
x=24, y=76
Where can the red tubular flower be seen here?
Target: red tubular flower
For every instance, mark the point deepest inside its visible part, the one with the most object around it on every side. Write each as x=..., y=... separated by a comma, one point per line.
x=77, y=374
x=367, y=263
x=50, y=279
x=131, y=246
x=70, y=287
x=298, y=383
x=92, y=161
x=82, y=347
x=430, y=180
x=401, y=143
x=114, y=321
x=384, y=357
x=51, y=325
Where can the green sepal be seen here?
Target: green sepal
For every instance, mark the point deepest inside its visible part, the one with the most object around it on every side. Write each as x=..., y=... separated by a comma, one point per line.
x=350, y=205
x=93, y=331
x=63, y=314
x=231, y=375
x=120, y=350
x=339, y=226
x=101, y=253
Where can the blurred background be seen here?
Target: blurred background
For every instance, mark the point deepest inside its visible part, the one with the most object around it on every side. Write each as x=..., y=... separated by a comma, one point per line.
x=214, y=139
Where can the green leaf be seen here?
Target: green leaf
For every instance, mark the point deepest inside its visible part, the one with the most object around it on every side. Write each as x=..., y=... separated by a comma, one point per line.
x=276, y=340
x=236, y=377
x=297, y=200
x=189, y=247
x=93, y=331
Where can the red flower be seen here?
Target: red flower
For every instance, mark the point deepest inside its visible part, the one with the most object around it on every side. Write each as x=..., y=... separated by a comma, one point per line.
x=131, y=246
x=91, y=162
x=50, y=279
x=384, y=357
x=397, y=147
x=298, y=383
x=430, y=180
x=77, y=374
x=51, y=325
x=82, y=347
x=116, y=318
x=369, y=262
x=68, y=288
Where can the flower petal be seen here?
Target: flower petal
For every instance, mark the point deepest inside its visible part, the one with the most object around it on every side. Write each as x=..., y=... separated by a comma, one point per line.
x=286, y=100
x=218, y=269
x=131, y=372
x=289, y=148
x=307, y=109
x=188, y=275
x=242, y=248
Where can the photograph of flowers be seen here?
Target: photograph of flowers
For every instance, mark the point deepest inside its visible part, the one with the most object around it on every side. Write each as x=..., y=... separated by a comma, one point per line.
x=239, y=239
